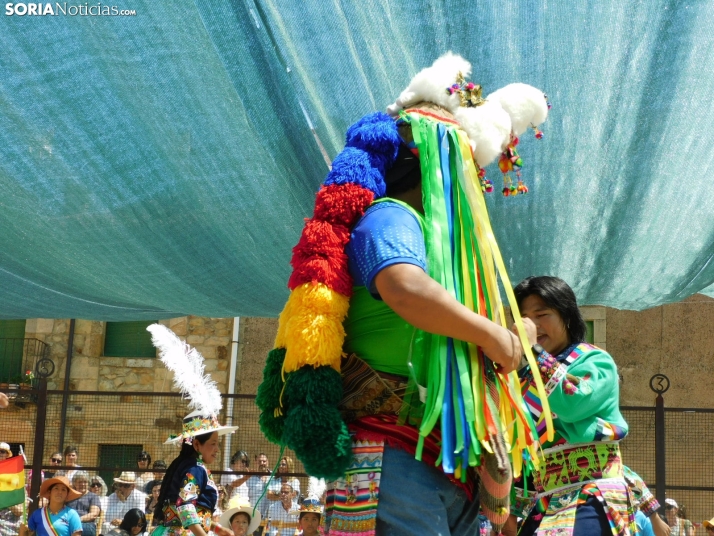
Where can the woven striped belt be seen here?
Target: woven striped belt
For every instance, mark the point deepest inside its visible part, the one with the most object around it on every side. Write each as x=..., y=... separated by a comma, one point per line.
x=574, y=465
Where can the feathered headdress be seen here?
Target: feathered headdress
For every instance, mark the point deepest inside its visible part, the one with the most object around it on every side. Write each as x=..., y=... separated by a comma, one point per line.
x=198, y=388
x=312, y=502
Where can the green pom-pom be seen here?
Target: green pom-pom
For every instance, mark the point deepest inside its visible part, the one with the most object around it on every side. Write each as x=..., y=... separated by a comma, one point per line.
x=320, y=439
x=313, y=386
x=268, y=398
x=272, y=426
x=313, y=427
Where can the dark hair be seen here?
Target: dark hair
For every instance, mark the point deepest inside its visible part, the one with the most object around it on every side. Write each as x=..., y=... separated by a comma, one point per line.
x=56, y=452
x=405, y=173
x=150, y=486
x=241, y=455
x=159, y=464
x=144, y=454
x=132, y=518
x=237, y=514
x=316, y=513
x=70, y=448
x=557, y=295
x=187, y=452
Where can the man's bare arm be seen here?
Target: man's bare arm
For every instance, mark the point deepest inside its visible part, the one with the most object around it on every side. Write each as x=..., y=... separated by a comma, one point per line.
x=425, y=304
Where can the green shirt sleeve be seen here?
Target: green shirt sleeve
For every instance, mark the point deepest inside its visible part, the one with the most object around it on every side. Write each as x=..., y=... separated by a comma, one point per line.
x=596, y=373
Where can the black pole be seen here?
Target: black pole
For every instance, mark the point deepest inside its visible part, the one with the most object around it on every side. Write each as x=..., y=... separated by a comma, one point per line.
x=39, y=450
x=65, y=394
x=660, y=459
x=659, y=383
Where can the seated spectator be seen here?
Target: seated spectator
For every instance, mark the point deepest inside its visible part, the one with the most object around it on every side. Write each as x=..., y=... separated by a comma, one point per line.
x=143, y=461
x=160, y=466
x=236, y=483
x=238, y=517
x=55, y=461
x=133, y=524
x=152, y=489
x=5, y=451
x=87, y=506
x=677, y=525
x=99, y=488
x=257, y=485
x=122, y=500
x=71, y=454
x=286, y=466
x=10, y=519
x=282, y=515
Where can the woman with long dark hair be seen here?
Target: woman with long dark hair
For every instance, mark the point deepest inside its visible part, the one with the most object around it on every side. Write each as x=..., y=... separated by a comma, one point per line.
x=578, y=486
x=188, y=493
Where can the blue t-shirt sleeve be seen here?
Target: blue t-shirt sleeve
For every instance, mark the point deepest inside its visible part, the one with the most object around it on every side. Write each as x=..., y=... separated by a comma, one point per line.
x=387, y=234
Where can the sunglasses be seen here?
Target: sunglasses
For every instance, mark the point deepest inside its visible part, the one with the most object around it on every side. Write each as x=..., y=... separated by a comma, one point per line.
x=124, y=485
x=95, y=485
x=143, y=460
x=56, y=460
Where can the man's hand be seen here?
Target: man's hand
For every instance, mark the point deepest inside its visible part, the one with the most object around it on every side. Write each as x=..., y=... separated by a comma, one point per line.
x=659, y=527
x=531, y=330
x=115, y=522
x=510, y=527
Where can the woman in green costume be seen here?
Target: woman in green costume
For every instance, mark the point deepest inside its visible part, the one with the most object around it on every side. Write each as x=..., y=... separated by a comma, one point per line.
x=578, y=486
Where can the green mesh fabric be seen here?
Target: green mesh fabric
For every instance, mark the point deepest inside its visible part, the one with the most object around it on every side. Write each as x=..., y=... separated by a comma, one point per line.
x=162, y=164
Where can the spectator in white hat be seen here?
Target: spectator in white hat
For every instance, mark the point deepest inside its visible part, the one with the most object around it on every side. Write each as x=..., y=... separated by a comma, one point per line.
x=122, y=500
x=5, y=451
x=677, y=525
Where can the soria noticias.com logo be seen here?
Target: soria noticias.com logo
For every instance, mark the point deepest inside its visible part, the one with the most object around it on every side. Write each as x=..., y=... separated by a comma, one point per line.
x=21, y=9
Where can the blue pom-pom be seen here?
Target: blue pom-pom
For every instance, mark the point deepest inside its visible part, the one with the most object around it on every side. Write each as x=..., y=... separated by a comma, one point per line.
x=354, y=166
x=377, y=134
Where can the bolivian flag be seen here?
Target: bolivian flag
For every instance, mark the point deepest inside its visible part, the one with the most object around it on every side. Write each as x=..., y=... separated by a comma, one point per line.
x=12, y=481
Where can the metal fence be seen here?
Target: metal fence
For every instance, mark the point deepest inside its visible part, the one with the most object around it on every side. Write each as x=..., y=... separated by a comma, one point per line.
x=110, y=428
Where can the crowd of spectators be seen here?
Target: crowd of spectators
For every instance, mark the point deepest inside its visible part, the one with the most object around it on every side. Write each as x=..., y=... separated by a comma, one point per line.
x=127, y=508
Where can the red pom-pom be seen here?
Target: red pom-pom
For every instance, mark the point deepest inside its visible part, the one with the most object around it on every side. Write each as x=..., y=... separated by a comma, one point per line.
x=342, y=204
x=331, y=271
x=320, y=256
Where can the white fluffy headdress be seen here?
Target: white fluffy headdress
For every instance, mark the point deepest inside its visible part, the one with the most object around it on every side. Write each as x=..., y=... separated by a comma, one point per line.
x=490, y=124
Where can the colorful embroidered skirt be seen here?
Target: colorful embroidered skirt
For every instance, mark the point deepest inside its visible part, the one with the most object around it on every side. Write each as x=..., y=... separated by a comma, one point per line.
x=351, y=505
x=566, y=477
x=171, y=526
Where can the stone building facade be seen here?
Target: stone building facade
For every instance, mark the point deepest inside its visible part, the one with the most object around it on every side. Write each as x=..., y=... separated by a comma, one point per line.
x=673, y=339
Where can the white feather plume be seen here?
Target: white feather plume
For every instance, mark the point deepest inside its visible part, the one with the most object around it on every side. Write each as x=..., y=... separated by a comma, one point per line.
x=186, y=363
x=489, y=129
x=430, y=84
x=525, y=104
x=315, y=488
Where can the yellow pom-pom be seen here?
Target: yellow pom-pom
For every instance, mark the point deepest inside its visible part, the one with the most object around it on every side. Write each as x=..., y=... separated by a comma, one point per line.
x=310, y=327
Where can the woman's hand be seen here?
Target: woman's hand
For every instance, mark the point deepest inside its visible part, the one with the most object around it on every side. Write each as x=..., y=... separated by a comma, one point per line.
x=23, y=530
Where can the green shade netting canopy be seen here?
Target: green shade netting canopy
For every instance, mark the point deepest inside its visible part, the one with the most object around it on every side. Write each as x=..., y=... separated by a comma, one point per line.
x=161, y=164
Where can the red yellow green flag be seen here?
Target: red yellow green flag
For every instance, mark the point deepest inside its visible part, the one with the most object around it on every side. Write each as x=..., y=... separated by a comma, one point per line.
x=12, y=481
